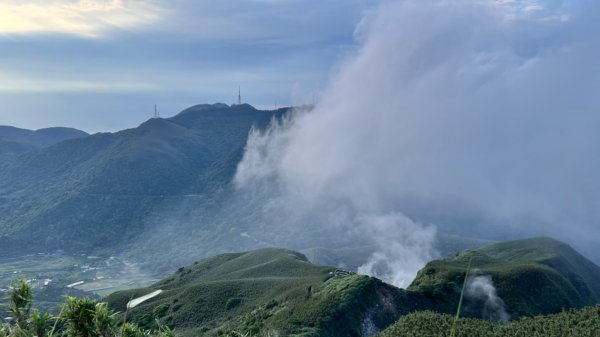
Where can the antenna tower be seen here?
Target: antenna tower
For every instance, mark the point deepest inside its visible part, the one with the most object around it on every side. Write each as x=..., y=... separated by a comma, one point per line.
x=239, y=95
x=156, y=113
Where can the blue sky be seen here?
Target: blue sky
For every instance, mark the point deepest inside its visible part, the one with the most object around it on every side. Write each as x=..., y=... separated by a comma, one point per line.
x=101, y=65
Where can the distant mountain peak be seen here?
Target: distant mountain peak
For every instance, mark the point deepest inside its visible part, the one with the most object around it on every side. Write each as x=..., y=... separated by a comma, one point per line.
x=217, y=106
x=16, y=140
x=206, y=106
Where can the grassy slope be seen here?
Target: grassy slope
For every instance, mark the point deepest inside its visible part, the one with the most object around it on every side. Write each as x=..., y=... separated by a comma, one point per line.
x=534, y=276
x=275, y=290
x=267, y=290
x=573, y=323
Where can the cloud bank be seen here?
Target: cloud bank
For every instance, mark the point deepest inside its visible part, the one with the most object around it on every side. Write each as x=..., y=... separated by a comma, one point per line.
x=85, y=18
x=121, y=57
x=477, y=116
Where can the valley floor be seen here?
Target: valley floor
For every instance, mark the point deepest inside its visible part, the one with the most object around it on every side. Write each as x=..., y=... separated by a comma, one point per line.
x=54, y=275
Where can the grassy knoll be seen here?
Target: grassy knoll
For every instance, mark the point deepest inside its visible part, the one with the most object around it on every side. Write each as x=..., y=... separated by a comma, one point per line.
x=533, y=276
x=266, y=291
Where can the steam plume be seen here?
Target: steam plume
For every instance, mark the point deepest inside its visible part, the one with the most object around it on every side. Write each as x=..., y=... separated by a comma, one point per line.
x=481, y=288
x=477, y=116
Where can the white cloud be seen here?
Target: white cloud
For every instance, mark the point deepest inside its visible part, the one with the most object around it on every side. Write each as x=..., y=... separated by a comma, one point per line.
x=549, y=10
x=87, y=18
x=472, y=122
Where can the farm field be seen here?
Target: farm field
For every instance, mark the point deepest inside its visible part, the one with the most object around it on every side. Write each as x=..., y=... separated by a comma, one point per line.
x=56, y=275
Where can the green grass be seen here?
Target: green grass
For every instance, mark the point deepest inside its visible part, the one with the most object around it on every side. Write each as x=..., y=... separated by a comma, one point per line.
x=572, y=323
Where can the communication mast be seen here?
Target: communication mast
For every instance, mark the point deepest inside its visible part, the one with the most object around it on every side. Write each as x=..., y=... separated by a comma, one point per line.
x=156, y=113
x=239, y=95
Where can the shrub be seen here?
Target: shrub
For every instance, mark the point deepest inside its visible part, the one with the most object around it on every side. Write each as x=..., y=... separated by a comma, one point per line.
x=77, y=318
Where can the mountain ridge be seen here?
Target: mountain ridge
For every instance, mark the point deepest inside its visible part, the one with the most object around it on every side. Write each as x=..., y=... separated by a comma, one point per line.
x=15, y=140
x=113, y=183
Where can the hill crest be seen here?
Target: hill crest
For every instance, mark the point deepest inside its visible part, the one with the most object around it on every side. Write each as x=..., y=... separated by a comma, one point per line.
x=532, y=276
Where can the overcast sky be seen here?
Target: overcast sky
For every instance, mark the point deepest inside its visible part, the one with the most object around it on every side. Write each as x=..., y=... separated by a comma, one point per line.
x=101, y=65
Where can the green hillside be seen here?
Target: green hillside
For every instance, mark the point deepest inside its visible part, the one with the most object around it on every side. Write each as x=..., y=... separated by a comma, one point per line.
x=279, y=292
x=118, y=185
x=572, y=323
x=533, y=276
x=267, y=291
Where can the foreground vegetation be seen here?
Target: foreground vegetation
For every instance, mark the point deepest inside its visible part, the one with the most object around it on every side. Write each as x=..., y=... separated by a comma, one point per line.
x=88, y=318
x=573, y=323
x=77, y=318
